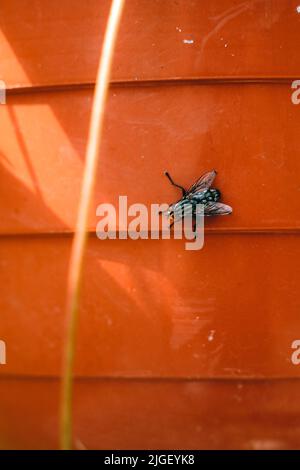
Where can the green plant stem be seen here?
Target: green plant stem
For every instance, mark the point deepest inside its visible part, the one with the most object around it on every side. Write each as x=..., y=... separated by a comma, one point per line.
x=80, y=237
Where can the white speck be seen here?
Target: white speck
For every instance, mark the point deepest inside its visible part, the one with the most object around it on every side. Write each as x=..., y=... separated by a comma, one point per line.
x=226, y=45
x=178, y=29
x=211, y=335
x=188, y=41
x=298, y=9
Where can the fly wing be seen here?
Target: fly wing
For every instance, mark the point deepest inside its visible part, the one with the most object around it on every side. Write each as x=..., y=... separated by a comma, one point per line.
x=204, y=182
x=217, y=208
x=183, y=209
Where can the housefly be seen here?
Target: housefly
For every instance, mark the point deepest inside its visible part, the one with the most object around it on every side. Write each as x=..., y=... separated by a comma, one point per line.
x=199, y=193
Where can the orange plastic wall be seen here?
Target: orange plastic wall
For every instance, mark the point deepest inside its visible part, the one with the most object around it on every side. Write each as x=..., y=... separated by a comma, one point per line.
x=187, y=349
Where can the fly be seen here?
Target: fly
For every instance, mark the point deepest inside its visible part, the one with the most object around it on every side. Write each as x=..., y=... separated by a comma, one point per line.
x=199, y=193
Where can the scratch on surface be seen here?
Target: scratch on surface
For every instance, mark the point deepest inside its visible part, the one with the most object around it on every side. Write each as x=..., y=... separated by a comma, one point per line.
x=266, y=444
x=190, y=320
x=79, y=444
x=230, y=11
x=222, y=19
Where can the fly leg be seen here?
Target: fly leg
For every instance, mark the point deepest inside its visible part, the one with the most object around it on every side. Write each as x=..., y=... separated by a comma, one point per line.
x=195, y=229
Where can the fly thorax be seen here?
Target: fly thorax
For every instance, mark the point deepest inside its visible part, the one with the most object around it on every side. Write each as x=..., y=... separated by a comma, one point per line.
x=206, y=196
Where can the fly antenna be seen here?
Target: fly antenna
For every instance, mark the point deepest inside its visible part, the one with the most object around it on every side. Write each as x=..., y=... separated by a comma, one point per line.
x=174, y=184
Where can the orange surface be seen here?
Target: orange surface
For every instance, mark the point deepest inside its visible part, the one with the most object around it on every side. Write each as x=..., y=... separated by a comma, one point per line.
x=150, y=308
x=154, y=414
x=57, y=41
x=153, y=316
x=241, y=130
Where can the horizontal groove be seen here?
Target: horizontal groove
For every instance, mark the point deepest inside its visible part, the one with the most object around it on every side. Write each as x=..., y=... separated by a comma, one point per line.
x=134, y=378
x=208, y=231
x=152, y=82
